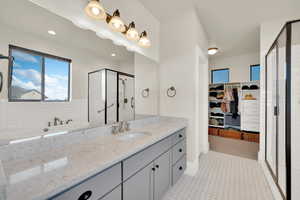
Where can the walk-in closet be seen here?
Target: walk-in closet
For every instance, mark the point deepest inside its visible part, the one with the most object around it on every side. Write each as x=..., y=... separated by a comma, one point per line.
x=234, y=113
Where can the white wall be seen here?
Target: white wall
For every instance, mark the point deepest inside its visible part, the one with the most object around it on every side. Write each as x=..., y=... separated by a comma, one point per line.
x=179, y=68
x=239, y=65
x=31, y=115
x=146, y=71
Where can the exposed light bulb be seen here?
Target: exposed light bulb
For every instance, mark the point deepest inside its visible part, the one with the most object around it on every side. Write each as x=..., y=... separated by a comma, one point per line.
x=116, y=23
x=51, y=32
x=212, y=51
x=113, y=54
x=95, y=10
x=132, y=33
x=144, y=40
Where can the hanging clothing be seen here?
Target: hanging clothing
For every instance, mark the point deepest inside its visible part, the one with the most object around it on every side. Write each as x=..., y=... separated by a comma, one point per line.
x=227, y=99
x=234, y=105
x=224, y=107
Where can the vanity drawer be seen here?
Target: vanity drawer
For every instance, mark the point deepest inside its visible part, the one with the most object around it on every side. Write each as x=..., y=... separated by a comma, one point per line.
x=116, y=194
x=178, y=170
x=178, y=151
x=178, y=136
x=144, y=157
x=94, y=188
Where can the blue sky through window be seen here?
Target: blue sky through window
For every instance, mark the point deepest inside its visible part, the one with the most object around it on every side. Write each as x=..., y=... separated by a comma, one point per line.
x=56, y=79
x=255, y=73
x=27, y=77
x=220, y=76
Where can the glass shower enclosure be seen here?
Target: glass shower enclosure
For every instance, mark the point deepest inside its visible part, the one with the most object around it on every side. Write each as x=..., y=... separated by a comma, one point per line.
x=282, y=110
x=110, y=97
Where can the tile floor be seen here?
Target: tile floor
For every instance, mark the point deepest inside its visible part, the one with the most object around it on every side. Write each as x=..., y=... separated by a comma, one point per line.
x=223, y=177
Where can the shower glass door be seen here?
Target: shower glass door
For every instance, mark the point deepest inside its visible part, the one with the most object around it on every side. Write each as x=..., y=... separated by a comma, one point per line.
x=126, y=97
x=276, y=111
x=271, y=133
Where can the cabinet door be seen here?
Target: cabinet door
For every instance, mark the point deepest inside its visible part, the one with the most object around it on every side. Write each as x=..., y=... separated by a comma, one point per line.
x=140, y=185
x=162, y=175
x=114, y=195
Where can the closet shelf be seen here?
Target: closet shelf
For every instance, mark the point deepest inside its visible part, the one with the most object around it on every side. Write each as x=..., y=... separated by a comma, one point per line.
x=216, y=126
x=217, y=117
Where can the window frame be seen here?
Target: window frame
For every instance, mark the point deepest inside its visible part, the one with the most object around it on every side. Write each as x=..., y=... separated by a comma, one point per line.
x=251, y=67
x=212, y=75
x=43, y=55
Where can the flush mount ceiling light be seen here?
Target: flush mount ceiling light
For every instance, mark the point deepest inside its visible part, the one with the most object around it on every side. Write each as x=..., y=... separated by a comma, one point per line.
x=213, y=51
x=116, y=23
x=144, y=40
x=51, y=32
x=132, y=33
x=95, y=10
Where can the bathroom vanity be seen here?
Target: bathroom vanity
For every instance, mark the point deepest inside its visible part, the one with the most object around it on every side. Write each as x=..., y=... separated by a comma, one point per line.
x=102, y=166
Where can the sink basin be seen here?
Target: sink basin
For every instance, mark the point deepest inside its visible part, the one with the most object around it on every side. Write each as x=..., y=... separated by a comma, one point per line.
x=131, y=135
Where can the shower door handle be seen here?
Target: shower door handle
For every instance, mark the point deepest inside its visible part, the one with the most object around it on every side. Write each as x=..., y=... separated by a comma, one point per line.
x=1, y=81
x=275, y=110
x=132, y=102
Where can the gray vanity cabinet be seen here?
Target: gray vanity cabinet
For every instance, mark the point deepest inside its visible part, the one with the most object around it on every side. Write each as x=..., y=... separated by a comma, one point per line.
x=147, y=175
x=150, y=183
x=95, y=187
x=140, y=185
x=116, y=194
x=162, y=175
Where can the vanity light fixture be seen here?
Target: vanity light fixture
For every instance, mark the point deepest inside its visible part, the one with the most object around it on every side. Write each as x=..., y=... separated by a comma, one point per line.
x=132, y=33
x=51, y=32
x=213, y=50
x=95, y=10
x=116, y=23
x=144, y=40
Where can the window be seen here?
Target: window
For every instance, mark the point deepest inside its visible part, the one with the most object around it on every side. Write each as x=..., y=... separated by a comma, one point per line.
x=254, y=72
x=220, y=76
x=35, y=76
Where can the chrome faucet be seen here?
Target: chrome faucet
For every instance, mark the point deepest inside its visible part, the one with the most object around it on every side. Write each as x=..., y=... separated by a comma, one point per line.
x=56, y=121
x=120, y=127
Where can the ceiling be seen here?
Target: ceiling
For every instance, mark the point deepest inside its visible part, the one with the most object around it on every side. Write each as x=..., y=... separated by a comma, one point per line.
x=37, y=21
x=233, y=25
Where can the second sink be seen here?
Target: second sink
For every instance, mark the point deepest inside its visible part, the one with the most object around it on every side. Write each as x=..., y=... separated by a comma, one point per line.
x=131, y=135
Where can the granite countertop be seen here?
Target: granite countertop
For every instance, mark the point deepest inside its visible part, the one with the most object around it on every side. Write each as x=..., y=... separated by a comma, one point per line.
x=48, y=173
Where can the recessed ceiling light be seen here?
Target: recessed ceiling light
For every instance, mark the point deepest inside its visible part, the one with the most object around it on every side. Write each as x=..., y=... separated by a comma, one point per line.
x=213, y=51
x=51, y=32
x=113, y=54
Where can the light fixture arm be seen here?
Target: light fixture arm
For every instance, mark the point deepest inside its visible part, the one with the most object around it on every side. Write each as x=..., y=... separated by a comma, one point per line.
x=4, y=57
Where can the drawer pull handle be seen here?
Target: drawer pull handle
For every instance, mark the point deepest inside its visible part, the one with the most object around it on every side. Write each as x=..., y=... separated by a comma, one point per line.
x=180, y=168
x=180, y=136
x=157, y=166
x=153, y=169
x=85, y=196
x=180, y=150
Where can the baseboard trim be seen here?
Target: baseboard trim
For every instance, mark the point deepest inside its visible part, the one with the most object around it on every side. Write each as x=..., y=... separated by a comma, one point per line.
x=192, y=168
x=206, y=148
x=274, y=189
